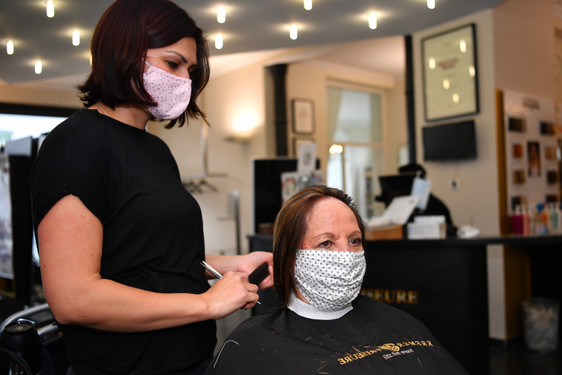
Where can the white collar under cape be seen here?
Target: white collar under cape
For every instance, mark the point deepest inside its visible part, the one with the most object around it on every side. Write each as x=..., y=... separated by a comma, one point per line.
x=305, y=310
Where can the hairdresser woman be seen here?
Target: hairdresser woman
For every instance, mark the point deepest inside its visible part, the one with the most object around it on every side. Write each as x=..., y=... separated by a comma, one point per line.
x=120, y=239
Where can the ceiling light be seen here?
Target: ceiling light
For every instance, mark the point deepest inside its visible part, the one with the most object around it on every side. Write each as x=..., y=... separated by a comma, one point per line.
x=50, y=8
x=76, y=37
x=218, y=41
x=431, y=4
x=38, y=67
x=307, y=4
x=293, y=32
x=372, y=20
x=10, y=47
x=221, y=14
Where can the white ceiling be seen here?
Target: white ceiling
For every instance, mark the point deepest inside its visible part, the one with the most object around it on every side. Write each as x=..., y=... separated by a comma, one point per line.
x=336, y=30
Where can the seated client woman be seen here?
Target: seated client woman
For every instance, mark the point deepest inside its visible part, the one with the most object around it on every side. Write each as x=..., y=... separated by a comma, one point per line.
x=325, y=326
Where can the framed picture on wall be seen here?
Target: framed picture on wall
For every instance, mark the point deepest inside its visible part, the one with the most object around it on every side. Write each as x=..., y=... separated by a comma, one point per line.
x=303, y=116
x=450, y=75
x=297, y=142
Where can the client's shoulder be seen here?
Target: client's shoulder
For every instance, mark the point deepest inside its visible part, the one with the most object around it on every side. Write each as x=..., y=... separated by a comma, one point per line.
x=378, y=310
x=258, y=323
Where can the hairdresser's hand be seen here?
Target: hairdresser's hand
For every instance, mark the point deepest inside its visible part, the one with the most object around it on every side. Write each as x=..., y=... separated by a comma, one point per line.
x=230, y=293
x=253, y=260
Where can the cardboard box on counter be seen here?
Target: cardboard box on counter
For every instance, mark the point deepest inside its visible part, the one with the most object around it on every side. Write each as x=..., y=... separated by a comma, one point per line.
x=386, y=232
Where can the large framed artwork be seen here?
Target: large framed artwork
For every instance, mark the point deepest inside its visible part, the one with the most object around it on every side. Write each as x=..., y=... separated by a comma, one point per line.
x=450, y=74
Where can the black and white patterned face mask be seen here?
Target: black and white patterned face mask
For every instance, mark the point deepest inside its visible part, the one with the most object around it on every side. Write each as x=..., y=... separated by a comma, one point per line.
x=329, y=280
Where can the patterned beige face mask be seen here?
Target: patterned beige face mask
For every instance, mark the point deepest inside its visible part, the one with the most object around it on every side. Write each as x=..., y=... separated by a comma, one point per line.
x=329, y=280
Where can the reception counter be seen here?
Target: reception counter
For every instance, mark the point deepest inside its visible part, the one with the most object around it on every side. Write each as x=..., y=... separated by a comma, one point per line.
x=444, y=284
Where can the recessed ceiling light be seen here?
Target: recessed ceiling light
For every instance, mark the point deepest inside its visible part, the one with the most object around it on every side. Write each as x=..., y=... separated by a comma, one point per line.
x=38, y=67
x=10, y=47
x=218, y=41
x=307, y=4
x=76, y=37
x=50, y=8
x=293, y=31
x=372, y=20
x=221, y=14
x=431, y=4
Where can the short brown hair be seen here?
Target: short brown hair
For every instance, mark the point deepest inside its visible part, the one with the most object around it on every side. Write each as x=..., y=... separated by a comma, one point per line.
x=124, y=33
x=289, y=230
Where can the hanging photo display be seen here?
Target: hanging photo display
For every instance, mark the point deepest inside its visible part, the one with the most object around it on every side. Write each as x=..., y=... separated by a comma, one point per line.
x=531, y=150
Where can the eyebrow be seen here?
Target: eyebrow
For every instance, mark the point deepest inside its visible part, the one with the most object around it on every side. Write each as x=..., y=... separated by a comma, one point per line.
x=332, y=235
x=179, y=55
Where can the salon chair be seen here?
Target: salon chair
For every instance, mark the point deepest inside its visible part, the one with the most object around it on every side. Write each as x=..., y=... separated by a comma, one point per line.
x=31, y=343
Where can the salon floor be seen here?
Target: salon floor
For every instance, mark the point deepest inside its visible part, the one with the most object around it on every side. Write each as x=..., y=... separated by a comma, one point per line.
x=515, y=359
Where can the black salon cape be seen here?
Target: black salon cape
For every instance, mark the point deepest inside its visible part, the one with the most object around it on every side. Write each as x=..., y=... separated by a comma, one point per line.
x=373, y=338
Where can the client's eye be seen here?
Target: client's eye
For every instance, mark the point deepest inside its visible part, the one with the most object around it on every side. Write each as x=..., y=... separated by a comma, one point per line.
x=326, y=243
x=355, y=241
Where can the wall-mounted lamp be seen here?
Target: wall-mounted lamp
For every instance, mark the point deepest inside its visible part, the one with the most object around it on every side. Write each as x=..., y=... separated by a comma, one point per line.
x=243, y=123
x=50, y=8
x=10, y=47
x=238, y=139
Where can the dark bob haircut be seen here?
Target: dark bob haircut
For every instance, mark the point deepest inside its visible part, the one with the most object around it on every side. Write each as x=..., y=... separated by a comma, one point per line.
x=289, y=230
x=124, y=33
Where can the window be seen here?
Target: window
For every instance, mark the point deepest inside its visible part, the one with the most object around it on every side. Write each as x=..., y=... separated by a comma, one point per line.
x=15, y=126
x=356, y=132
